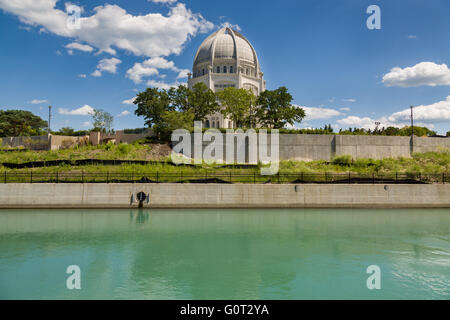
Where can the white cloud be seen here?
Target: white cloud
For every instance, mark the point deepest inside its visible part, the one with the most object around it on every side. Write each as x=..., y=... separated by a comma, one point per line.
x=162, y=85
x=349, y=100
x=85, y=110
x=123, y=113
x=424, y=115
x=36, y=101
x=230, y=25
x=412, y=37
x=183, y=74
x=422, y=74
x=129, y=101
x=111, y=26
x=319, y=113
x=163, y=1
x=436, y=112
x=151, y=67
x=86, y=124
x=108, y=65
x=358, y=122
x=345, y=109
x=82, y=75
x=78, y=46
x=96, y=73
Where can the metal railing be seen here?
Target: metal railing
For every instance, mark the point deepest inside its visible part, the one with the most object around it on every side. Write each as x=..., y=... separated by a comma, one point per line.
x=211, y=177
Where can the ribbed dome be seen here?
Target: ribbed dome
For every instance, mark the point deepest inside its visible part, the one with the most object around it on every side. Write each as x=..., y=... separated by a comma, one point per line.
x=226, y=44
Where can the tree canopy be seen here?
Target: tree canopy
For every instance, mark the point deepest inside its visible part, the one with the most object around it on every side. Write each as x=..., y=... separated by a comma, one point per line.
x=237, y=104
x=275, y=109
x=15, y=123
x=102, y=120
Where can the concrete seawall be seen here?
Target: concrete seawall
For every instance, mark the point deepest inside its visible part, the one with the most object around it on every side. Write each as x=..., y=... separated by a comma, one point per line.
x=224, y=196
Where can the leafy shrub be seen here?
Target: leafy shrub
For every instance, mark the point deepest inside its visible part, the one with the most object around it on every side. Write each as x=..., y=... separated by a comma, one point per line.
x=345, y=160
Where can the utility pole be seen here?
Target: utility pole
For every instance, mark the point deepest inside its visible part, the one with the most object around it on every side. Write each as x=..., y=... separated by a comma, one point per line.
x=412, y=130
x=49, y=118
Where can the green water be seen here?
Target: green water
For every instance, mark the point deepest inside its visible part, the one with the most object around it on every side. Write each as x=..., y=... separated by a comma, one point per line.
x=225, y=254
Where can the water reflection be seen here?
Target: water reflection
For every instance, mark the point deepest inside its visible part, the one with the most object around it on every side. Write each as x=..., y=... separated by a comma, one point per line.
x=225, y=254
x=139, y=216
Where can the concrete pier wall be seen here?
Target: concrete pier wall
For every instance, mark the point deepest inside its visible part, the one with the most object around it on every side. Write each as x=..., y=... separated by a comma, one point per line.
x=224, y=196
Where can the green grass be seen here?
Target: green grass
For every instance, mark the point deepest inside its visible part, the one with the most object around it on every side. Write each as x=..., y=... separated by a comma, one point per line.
x=105, y=152
x=431, y=162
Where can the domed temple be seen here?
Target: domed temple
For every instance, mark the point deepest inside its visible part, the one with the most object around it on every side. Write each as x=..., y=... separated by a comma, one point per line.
x=226, y=59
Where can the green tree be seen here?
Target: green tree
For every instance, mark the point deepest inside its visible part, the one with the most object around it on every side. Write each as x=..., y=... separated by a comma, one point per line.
x=102, y=120
x=237, y=105
x=275, y=109
x=66, y=131
x=448, y=134
x=173, y=120
x=418, y=131
x=151, y=104
x=20, y=123
x=201, y=100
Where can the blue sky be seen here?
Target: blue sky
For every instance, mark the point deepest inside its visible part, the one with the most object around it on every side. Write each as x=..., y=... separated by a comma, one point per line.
x=334, y=66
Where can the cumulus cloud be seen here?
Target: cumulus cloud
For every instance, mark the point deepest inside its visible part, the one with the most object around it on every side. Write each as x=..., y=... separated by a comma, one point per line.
x=162, y=85
x=231, y=26
x=123, y=113
x=319, y=113
x=85, y=110
x=436, y=112
x=129, y=101
x=78, y=46
x=151, y=67
x=37, y=101
x=422, y=74
x=108, y=65
x=424, y=115
x=113, y=27
x=163, y=1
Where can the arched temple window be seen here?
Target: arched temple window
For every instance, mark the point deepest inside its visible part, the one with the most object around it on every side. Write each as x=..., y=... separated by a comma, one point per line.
x=224, y=69
x=207, y=124
x=218, y=69
x=231, y=69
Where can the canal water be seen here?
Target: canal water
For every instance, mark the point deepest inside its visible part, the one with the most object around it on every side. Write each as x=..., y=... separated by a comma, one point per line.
x=225, y=254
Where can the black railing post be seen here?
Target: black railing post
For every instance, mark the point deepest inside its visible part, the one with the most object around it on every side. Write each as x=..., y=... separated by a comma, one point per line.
x=254, y=177
x=157, y=177
x=82, y=175
x=5, y=176
x=31, y=176
x=278, y=177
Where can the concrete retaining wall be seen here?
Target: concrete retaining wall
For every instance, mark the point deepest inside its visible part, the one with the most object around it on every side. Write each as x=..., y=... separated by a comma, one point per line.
x=223, y=196
x=311, y=147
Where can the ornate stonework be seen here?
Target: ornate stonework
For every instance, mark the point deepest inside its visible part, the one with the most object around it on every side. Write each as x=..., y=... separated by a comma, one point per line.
x=226, y=59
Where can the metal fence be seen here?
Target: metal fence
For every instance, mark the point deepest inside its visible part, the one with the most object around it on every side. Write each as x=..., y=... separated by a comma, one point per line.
x=227, y=178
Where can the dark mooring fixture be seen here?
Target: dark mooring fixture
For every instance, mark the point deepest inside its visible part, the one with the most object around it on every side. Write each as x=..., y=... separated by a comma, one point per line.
x=140, y=197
